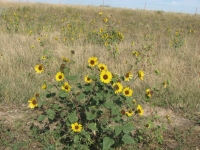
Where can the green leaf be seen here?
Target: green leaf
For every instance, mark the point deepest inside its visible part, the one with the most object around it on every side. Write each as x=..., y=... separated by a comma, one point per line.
x=129, y=101
x=72, y=78
x=107, y=143
x=55, y=106
x=76, y=138
x=72, y=117
x=108, y=95
x=51, y=114
x=81, y=96
x=49, y=95
x=88, y=87
x=41, y=118
x=99, y=95
x=50, y=87
x=127, y=139
x=128, y=127
x=118, y=130
x=90, y=116
x=108, y=104
x=63, y=94
x=115, y=110
x=92, y=126
x=40, y=103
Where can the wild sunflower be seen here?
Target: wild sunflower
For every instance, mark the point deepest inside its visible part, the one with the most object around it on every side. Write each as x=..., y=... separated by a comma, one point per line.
x=105, y=76
x=129, y=113
x=128, y=76
x=32, y=103
x=136, y=53
x=76, y=127
x=149, y=93
x=100, y=13
x=66, y=87
x=59, y=76
x=65, y=59
x=117, y=87
x=43, y=57
x=105, y=20
x=92, y=61
x=141, y=75
x=102, y=67
x=127, y=92
x=140, y=111
x=87, y=79
x=39, y=68
x=165, y=84
x=44, y=86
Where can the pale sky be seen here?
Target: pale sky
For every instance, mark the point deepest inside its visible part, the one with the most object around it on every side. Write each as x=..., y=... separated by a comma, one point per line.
x=185, y=6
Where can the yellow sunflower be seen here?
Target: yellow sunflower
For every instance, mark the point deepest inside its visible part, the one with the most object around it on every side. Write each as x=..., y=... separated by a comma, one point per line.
x=105, y=20
x=165, y=84
x=102, y=67
x=66, y=87
x=140, y=111
x=141, y=75
x=128, y=76
x=117, y=87
x=59, y=76
x=92, y=61
x=32, y=103
x=65, y=59
x=127, y=92
x=105, y=76
x=39, y=68
x=44, y=86
x=149, y=93
x=43, y=57
x=76, y=127
x=136, y=53
x=87, y=79
x=129, y=113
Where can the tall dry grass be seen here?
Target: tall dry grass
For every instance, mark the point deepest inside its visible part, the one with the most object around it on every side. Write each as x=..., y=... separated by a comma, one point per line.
x=180, y=66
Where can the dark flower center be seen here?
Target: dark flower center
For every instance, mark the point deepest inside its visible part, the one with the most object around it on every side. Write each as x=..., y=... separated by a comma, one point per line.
x=127, y=75
x=40, y=67
x=123, y=112
x=127, y=92
x=66, y=87
x=105, y=77
x=92, y=62
x=139, y=111
x=77, y=127
x=116, y=87
x=34, y=102
x=102, y=68
x=60, y=77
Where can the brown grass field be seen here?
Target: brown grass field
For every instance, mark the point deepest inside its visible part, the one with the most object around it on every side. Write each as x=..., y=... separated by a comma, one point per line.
x=169, y=50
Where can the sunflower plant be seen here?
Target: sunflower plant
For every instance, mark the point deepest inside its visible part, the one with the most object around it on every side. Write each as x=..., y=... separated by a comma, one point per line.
x=96, y=111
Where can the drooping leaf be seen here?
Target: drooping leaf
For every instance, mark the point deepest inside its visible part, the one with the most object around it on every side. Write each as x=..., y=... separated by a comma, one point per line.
x=90, y=116
x=81, y=96
x=41, y=118
x=128, y=127
x=118, y=130
x=92, y=126
x=107, y=143
x=127, y=139
x=72, y=117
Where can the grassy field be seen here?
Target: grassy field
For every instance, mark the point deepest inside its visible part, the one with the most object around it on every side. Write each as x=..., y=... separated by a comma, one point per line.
x=164, y=45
